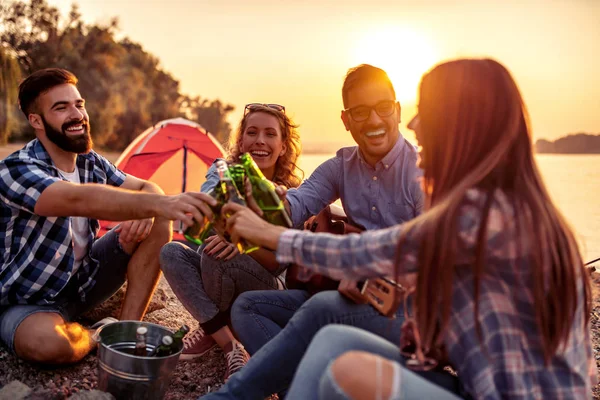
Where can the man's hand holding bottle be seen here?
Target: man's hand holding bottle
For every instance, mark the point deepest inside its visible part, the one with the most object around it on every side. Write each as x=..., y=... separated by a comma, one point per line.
x=186, y=207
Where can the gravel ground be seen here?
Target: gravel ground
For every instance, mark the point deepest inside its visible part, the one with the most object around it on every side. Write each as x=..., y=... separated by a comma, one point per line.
x=189, y=380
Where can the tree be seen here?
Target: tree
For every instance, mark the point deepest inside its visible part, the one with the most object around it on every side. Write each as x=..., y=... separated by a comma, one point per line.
x=125, y=88
x=211, y=114
x=10, y=76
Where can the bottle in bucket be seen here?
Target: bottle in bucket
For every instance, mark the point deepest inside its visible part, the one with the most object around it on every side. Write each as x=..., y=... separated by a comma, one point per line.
x=164, y=349
x=140, y=342
x=264, y=194
x=178, y=336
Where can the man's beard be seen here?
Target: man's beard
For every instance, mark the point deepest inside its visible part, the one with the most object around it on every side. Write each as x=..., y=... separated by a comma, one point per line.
x=80, y=144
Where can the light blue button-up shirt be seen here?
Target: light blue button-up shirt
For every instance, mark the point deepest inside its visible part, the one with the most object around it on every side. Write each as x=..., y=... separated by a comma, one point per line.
x=372, y=197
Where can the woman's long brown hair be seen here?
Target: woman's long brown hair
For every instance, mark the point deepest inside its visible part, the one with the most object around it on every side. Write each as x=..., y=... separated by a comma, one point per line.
x=474, y=133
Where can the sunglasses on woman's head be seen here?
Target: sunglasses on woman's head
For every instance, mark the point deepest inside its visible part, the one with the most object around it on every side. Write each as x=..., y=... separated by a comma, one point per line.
x=257, y=106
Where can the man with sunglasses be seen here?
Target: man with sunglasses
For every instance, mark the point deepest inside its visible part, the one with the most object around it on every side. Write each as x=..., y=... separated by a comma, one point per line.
x=377, y=183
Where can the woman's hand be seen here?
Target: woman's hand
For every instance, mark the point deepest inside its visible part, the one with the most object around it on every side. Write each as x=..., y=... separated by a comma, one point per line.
x=220, y=249
x=243, y=223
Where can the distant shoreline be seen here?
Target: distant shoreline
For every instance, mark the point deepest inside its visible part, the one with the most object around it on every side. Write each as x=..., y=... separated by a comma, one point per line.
x=578, y=143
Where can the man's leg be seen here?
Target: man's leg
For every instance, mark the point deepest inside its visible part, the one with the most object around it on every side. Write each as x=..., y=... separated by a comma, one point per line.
x=272, y=368
x=143, y=270
x=257, y=316
x=41, y=334
x=44, y=333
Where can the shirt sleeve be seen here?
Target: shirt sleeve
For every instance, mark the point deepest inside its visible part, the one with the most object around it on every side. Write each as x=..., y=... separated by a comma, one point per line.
x=418, y=198
x=373, y=253
x=212, y=178
x=315, y=193
x=114, y=176
x=22, y=182
x=369, y=254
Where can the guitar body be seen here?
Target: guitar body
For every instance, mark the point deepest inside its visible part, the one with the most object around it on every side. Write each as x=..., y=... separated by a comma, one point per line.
x=331, y=220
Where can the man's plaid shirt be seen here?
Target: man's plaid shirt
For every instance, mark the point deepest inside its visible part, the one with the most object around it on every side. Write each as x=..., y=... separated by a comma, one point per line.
x=37, y=260
x=512, y=365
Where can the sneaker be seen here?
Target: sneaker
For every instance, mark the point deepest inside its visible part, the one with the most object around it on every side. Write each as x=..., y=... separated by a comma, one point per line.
x=196, y=344
x=236, y=359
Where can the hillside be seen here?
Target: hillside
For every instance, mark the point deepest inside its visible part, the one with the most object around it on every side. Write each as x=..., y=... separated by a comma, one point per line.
x=578, y=143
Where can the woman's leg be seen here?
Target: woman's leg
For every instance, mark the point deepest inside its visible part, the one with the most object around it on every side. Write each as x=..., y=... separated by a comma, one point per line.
x=360, y=376
x=181, y=266
x=224, y=281
x=333, y=341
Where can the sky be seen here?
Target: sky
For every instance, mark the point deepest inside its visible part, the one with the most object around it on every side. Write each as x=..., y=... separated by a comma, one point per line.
x=296, y=52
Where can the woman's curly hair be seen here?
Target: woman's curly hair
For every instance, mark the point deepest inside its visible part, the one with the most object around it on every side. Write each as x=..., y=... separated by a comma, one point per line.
x=287, y=171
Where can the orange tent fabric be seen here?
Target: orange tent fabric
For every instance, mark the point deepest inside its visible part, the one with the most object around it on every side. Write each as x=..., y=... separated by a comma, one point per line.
x=175, y=154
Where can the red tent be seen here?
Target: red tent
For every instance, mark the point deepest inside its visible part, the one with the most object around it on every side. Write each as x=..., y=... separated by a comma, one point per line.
x=175, y=154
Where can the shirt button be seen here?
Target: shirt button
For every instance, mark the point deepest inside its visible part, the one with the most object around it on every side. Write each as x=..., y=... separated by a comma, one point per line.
x=386, y=166
x=374, y=208
x=374, y=178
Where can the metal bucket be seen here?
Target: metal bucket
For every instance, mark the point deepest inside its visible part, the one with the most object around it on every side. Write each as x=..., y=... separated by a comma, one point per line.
x=126, y=376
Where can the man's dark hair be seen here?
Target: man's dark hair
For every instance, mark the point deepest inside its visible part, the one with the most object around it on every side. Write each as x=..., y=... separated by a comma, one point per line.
x=39, y=82
x=361, y=74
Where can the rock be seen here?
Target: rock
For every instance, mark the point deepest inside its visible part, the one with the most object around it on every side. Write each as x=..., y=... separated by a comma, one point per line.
x=92, y=395
x=15, y=390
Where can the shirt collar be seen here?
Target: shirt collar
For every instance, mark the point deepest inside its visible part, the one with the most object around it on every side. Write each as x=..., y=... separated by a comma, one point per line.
x=389, y=159
x=42, y=154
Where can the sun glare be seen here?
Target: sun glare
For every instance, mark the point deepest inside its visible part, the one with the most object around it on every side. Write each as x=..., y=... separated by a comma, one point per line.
x=402, y=53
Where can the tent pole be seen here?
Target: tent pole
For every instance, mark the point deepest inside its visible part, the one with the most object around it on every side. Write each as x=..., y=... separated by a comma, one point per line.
x=184, y=183
x=184, y=180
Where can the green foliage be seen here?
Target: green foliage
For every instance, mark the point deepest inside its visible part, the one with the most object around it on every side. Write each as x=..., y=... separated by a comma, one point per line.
x=209, y=114
x=126, y=90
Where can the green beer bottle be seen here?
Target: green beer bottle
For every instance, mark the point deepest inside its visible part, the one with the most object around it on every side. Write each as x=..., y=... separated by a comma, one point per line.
x=164, y=349
x=238, y=174
x=178, y=337
x=199, y=231
x=264, y=194
x=232, y=194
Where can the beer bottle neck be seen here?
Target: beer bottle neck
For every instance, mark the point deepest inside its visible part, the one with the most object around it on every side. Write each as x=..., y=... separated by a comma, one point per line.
x=252, y=169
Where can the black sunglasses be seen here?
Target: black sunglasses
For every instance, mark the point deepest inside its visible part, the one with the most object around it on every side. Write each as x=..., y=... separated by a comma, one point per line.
x=362, y=113
x=257, y=106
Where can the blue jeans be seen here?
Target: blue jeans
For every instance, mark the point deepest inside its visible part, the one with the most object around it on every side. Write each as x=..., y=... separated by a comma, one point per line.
x=272, y=367
x=314, y=379
x=112, y=272
x=206, y=286
x=257, y=317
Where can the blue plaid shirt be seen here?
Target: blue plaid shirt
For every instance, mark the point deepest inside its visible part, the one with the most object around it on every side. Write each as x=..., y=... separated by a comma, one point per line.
x=515, y=367
x=37, y=260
